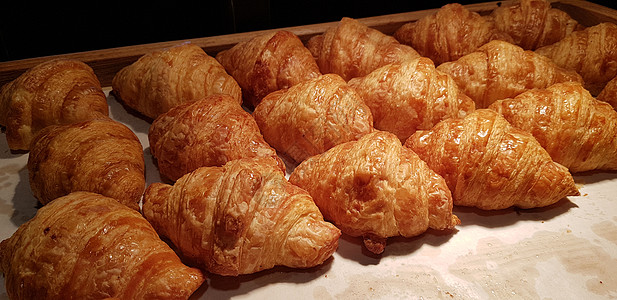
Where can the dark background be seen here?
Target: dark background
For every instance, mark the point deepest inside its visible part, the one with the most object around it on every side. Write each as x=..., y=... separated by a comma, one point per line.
x=30, y=29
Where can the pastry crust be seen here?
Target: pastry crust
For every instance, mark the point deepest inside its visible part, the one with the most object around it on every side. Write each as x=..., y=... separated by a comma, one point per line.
x=489, y=164
x=241, y=218
x=312, y=117
x=100, y=156
x=609, y=93
x=376, y=188
x=268, y=63
x=207, y=132
x=59, y=91
x=160, y=80
x=87, y=246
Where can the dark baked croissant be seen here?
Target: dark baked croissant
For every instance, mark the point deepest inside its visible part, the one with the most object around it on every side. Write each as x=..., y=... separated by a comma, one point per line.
x=609, y=93
x=268, y=63
x=241, y=218
x=489, y=164
x=100, y=156
x=160, y=80
x=376, y=188
x=59, y=91
x=87, y=246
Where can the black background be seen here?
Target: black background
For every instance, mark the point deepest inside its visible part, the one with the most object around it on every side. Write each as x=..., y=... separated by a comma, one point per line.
x=30, y=29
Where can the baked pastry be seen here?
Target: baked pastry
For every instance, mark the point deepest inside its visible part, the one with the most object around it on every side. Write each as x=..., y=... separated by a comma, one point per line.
x=352, y=49
x=577, y=130
x=489, y=164
x=609, y=93
x=268, y=63
x=88, y=246
x=376, y=188
x=411, y=95
x=591, y=52
x=450, y=33
x=162, y=79
x=312, y=117
x=203, y=133
x=533, y=23
x=59, y=91
x=99, y=156
x=499, y=70
x=241, y=218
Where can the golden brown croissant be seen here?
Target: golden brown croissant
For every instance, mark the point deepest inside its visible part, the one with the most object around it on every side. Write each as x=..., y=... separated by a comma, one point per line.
x=352, y=49
x=489, y=164
x=404, y=97
x=59, y=91
x=609, y=93
x=500, y=70
x=312, y=117
x=88, y=246
x=591, y=52
x=577, y=130
x=206, y=132
x=160, y=80
x=100, y=156
x=449, y=34
x=241, y=218
x=533, y=23
x=268, y=63
x=376, y=188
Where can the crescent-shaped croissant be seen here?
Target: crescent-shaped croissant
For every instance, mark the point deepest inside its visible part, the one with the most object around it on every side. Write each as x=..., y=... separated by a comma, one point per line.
x=268, y=63
x=352, y=49
x=241, y=218
x=577, y=130
x=59, y=91
x=206, y=132
x=162, y=79
x=489, y=164
x=499, y=70
x=452, y=32
x=312, y=117
x=87, y=246
x=412, y=95
x=100, y=156
x=376, y=188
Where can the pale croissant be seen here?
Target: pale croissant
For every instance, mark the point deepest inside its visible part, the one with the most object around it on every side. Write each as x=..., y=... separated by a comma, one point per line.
x=87, y=246
x=489, y=164
x=268, y=63
x=412, y=95
x=59, y=91
x=241, y=218
x=376, y=188
x=577, y=130
x=162, y=79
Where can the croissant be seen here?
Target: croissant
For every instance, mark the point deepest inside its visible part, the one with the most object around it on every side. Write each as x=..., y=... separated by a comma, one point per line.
x=499, y=70
x=312, y=117
x=404, y=97
x=376, y=188
x=489, y=164
x=591, y=52
x=100, y=156
x=352, y=49
x=609, y=93
x=241, y=218
x=267, y=63
x=533, y=23
x=577, y=130
x=206, y=132
x=449, y=34
x=160, y=80
x=88, y=246
x=59, y=91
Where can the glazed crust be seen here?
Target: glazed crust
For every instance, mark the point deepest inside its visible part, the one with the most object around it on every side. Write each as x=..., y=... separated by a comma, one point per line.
x=609, y=93
x=87, y=246
x=376, y=188
x=55, y=92
x=241, y=218
x=489, y=164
